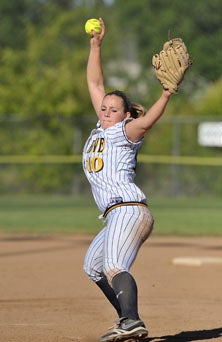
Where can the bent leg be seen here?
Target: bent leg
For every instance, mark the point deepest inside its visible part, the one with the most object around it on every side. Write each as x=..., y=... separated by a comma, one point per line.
x=110, y=294
x=127, y=229
x=93, y=266
x=93, y=262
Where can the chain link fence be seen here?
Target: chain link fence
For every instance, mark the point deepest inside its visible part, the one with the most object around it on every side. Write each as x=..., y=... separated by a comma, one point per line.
x=172, y=161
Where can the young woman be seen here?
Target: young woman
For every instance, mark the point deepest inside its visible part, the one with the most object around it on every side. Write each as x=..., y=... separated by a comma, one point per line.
x=109, y=161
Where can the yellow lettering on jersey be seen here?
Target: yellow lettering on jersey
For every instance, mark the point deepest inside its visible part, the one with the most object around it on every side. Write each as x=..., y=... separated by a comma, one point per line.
x=93, y=146
x=97, y=145
x=94, y=164
x=101, y=145
x=97, y=164
x=88, y=162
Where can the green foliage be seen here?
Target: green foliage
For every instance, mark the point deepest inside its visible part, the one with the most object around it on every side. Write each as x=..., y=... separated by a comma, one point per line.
x=211, y=101
x=12, y=19
x=197, y=22
x=44, y=86
x=45, y=107
x=47, y=78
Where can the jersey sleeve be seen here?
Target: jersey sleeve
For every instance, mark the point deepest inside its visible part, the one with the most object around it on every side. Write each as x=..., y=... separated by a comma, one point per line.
x=117, y=134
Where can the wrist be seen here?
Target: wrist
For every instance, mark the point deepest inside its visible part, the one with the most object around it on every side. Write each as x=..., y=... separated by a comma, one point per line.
x=95, y=43
x=166, y=94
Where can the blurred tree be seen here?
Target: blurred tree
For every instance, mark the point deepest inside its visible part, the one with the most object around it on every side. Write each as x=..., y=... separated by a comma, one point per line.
x=12, y=23
x=197, y=22
x=43, y=59
x=210, y=103
x=43, y=83
x=49, y=70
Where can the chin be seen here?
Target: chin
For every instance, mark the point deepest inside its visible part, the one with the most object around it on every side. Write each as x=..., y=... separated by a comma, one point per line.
x=107, y=124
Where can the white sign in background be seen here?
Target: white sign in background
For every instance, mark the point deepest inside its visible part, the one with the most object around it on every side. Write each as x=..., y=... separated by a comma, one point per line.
x=210, y=134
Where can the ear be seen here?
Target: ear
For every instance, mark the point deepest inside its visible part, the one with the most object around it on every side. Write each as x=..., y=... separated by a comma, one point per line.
x=128, y=115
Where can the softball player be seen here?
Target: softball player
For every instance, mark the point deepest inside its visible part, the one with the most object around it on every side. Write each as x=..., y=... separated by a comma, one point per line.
x=109, y=162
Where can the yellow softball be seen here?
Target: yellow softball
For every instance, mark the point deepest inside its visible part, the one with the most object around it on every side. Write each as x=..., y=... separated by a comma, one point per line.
x=93, y=24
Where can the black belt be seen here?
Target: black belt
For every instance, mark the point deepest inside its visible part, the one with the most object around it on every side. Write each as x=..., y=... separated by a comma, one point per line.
x=107, y=211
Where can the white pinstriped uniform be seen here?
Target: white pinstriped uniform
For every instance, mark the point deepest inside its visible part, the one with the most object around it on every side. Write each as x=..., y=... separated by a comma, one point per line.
x=109, y=161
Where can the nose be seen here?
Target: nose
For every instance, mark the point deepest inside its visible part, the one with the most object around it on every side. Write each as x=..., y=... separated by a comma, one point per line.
x=107, y=113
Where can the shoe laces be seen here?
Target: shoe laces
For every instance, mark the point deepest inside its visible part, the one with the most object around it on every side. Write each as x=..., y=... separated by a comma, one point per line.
x=117, y=323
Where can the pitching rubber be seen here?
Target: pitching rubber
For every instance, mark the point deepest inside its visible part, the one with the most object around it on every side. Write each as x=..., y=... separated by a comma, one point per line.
x=196, y=261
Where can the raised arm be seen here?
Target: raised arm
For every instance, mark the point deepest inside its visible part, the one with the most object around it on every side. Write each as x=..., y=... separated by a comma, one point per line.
x=136, y=129
x=95, y=79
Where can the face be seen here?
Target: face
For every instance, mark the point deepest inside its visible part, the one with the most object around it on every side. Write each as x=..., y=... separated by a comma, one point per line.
x=112, y=111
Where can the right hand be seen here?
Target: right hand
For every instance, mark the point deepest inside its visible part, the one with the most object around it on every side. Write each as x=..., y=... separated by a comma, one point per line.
x=97, y=38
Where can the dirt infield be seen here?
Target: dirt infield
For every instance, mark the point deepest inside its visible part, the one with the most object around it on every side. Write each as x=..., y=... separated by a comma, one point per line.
x=46, y=297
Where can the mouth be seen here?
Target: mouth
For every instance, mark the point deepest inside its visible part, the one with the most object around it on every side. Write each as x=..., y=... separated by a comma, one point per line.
x=106, y=123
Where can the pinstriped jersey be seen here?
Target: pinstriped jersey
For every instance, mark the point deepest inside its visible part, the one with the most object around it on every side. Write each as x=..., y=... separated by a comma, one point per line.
x=109, y=162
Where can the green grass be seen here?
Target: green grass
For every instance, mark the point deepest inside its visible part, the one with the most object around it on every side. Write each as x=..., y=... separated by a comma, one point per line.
x=193, y=216
x=45, y=214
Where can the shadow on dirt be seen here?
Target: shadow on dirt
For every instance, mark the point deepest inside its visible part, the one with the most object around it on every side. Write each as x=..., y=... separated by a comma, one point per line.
x=187, y=336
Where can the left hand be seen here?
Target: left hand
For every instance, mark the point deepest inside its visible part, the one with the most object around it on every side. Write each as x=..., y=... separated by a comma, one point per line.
x=166, y=93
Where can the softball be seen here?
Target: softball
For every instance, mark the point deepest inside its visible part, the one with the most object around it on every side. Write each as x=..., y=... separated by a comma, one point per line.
x=93, y=24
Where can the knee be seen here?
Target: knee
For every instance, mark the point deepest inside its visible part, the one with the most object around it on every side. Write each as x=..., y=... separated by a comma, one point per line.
x=93, y=274
x=149, y=227
x=111, y=272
